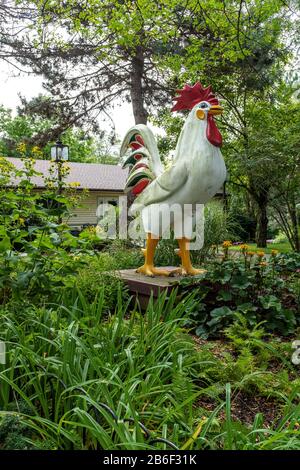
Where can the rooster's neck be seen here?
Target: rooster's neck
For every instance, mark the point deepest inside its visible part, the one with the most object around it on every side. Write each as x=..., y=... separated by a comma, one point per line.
x=192, y=138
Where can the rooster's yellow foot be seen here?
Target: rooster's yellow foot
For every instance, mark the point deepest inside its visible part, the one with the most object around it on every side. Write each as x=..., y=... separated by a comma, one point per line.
x=192, y=271
x=149, y=270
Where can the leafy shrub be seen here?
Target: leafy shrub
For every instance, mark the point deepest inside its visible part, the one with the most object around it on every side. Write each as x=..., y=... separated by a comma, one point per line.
x=165, y=254
x=288, y=263
x=35, y=249
x=98, y=276
x=89, y=235
x=280, y=238
x=125, y=255
x=245, y=227
x=218, y=225
x=257, y=292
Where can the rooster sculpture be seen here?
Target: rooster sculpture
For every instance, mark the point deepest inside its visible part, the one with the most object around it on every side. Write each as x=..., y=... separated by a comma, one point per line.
x=196, y=174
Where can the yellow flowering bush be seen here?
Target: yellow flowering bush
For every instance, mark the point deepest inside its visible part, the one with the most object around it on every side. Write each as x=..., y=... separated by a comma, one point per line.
x=5, y=167
x=49, y=243
x=36, y=151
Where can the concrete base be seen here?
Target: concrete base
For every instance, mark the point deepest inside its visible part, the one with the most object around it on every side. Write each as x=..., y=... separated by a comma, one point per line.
x=142, y=286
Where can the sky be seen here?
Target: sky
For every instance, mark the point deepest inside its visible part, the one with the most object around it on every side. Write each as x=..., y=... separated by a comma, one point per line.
x=29, y=86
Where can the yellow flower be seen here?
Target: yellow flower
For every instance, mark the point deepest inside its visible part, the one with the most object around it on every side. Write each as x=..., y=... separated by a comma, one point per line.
x=260, y=254
x=21, y=147
x=66, y=166
x=274, y=252
x=28, y=162
x=74, y=184
x=22, y=221
x=227, y=244
x=36, y=150
x=263, y=263
x=5, y=166
x=244, y=247
x=250, y=253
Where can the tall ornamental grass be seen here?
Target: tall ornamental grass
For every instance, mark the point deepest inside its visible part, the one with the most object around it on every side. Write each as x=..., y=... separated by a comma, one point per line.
x=78, y=378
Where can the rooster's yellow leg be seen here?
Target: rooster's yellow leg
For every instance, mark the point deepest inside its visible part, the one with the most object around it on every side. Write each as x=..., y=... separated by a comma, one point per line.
x=184, y=253
x=148, y=267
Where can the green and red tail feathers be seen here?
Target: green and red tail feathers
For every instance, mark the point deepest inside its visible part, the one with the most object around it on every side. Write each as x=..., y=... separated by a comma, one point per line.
x=138, y=162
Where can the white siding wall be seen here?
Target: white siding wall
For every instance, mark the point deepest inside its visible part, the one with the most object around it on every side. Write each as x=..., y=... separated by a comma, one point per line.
x=86, y=213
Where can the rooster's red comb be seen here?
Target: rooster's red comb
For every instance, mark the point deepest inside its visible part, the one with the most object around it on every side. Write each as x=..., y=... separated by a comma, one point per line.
x=191, y=95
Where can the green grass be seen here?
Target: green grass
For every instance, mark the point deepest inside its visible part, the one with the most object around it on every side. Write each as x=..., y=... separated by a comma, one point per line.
x=76, y=378
x=281, y=247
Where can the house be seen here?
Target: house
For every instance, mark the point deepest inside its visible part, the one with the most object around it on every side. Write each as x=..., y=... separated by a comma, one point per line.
x=105, y=183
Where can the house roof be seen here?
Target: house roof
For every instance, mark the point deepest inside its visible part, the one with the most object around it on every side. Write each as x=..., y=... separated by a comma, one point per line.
x=92, y=176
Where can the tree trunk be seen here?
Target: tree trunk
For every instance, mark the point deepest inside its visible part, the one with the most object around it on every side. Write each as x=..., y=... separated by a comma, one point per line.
x=136, y=91
x=262, y=220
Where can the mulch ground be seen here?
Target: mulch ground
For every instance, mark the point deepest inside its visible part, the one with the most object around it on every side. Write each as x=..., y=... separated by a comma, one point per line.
x=244, y=408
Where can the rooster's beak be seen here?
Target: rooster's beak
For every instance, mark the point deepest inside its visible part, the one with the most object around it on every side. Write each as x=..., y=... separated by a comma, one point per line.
x=215, y=110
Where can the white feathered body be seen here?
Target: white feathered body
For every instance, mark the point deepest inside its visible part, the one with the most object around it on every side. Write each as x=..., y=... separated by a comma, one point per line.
x=196, y=174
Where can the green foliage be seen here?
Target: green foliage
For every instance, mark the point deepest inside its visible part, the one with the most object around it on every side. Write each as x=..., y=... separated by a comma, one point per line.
x=125, y=255
x=13, y=433
x=83, y=367
x=34, y=130
x=92, y=238
x=283, y=248
x=242, y=336
x=16, y=130
x=71, y=370
x=97, y=278
x=135, y=365
x=36, y=251
x=165, y=254
x=288, y=263
x=218, y=226
x=280, y=238
x=260, y=292
x=262, y=147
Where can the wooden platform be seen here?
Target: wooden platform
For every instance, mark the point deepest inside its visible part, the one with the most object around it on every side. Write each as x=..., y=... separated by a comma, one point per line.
x=142, y=286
